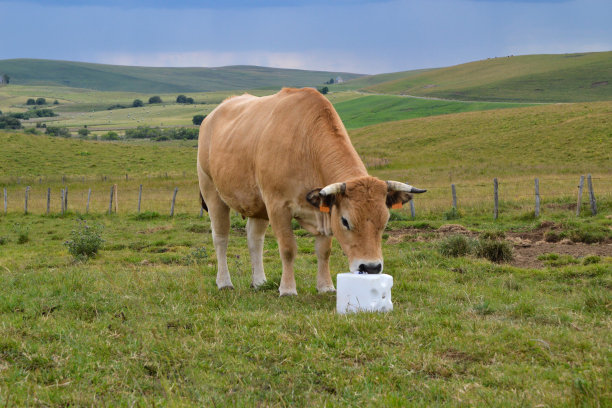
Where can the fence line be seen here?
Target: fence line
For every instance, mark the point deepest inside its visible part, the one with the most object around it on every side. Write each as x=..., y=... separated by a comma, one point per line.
x=498, y=186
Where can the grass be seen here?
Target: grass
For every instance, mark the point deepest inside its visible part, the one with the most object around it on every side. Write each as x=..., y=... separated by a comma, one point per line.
x=373, y=109
x=529, y=78
x=143, y=323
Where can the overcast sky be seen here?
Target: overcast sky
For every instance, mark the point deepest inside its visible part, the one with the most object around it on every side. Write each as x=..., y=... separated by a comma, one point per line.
x=363, y=36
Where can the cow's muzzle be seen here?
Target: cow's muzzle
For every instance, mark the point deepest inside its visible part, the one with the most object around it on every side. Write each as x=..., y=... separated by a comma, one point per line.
x=371, y=268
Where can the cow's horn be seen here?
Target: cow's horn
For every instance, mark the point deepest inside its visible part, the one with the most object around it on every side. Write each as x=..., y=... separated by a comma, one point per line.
x=333, y=189
x=397, y=186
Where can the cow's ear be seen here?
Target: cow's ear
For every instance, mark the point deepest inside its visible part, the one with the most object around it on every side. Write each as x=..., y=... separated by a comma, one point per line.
x=395, y=199
x=323, y=203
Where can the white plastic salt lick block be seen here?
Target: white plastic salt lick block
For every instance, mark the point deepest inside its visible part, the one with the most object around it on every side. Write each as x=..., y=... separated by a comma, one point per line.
x=363, y=292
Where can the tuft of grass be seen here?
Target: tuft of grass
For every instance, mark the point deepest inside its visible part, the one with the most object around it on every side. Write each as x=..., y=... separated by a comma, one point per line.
x=452, y=214
x=455, y=245
x=146, y=216
x=22, y=232
x=494, y=250
x=3, y=240
x=591, y=259
x=552, y=259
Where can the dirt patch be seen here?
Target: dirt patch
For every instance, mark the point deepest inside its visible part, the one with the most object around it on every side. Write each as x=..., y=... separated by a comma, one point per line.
x=156, y=229
x=453, y=229
x=600, y=83
x=527, y=257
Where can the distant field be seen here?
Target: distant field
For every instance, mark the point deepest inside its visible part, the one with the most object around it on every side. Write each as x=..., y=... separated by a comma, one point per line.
x=531, y=78
x=163, y=80
x=373, y=109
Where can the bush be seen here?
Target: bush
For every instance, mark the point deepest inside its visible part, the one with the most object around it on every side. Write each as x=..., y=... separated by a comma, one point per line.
x=56, y=102
x=7, y=122
x=116, y=106
x=493, y=235
x=198, y=119
x=110, y=136
x=85, y=240
x=146, y=215
x=83, y=132
x=143, y=132
x=58, y=131
x=31, y=101
x=181, y=99
x=155, y=99
x=591, y=259
x=41, y=101
x=32, y=131
x=3, y=240
x=455, y=245
x=324, y=90
x=493, y=250
x=137, y=103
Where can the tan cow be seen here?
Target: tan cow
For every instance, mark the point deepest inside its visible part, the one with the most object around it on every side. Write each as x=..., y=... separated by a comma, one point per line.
x=285, y=156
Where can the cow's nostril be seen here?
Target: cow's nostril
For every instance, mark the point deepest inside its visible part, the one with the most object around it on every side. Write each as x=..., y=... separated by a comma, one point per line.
x=371, y=268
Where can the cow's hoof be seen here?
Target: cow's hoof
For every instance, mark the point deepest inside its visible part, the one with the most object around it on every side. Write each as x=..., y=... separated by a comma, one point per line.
x=258, y=284
x=287, y=292
x=326, y=289
x=225, y=286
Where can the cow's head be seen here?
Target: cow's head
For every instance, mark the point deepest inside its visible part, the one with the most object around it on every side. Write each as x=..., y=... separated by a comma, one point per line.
x=359, y=213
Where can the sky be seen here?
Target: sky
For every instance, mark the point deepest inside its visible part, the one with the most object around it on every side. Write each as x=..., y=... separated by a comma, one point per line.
x=360, y=36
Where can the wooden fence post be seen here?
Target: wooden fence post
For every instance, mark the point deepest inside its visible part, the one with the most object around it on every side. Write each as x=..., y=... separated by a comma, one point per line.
x=201, y=212
x=62, y=200
x=116, y=199
x=5, y=200
x=592, y=196
x=537, y=197
x=66, y=199
x=454, y=192
x=48, y=200
x=139, y=197
x=495, y=198
x=412, y=212
x=110, y=204
x=580, y=186
x=88, y=197
x=173, y=200
x=25, y=207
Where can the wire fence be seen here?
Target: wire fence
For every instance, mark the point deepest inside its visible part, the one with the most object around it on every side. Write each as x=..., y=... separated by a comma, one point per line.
x=177, y=193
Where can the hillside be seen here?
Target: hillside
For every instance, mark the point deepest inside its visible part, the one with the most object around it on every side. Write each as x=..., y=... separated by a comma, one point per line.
x=530, y=78
x=163, y=80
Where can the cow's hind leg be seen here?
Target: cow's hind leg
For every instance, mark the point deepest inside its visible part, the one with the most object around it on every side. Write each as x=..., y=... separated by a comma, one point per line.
x=323, y=250
x=220, y=224
x=256, y=231
x=280, y=219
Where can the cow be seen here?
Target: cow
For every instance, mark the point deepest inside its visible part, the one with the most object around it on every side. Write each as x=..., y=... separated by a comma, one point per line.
x=288, y=156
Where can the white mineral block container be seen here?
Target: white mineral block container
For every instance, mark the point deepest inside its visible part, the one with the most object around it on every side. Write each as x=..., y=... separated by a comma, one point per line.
x=363, y=292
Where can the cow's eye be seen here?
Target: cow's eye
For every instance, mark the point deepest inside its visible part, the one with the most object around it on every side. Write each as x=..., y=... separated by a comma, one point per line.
x=345, y=223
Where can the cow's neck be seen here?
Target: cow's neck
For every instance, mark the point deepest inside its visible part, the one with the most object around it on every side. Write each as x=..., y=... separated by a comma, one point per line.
x=340, y=162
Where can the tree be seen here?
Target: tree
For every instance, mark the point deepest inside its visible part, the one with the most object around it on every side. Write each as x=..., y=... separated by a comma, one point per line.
x=324, y=90
x=41, y=101
x=5, y=79
x=137, y=103
x=56, y=102
x=31, y=101
x=7, y=122
x=110, y=136
x=181, y=99
x=198, y=119
x=155, y=99
x=83, y=132
x=190, y=100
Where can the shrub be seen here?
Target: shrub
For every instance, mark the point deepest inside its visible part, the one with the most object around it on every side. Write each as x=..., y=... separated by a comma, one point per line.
x=41, y=101
x=155, y=99
x=181, y=99
x=110, y=136
x=116, y=106
x=32, y=131
x=494, y=251
x=85, y=240
x=198, y=119
x=83, y=132
x=143, y=132
x=493, y=235
x=7, y=122
x=324, y=90
x=591, y=259
x=3, y=240
x=147, y=215
x=137, y=103
x=56, y=102
x=58, y=131
x=31, y=101
x=455, y=245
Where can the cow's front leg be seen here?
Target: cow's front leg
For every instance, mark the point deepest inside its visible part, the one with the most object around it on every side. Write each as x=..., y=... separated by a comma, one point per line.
x=323, y=251
x=256, y=231
x=281, y=225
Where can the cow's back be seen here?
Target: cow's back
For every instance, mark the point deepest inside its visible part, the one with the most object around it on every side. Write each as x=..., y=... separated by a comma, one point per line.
x=260, y=149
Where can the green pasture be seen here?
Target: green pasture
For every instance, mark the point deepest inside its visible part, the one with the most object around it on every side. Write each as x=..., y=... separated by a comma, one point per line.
x=373, y=109
x=529, y=78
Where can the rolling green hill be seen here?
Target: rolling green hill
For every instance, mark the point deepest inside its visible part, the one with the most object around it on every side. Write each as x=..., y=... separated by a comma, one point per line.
x=163, y=80
x=530, y=78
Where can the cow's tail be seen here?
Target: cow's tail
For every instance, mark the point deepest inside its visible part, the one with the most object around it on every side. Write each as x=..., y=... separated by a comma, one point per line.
x=204, y=206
